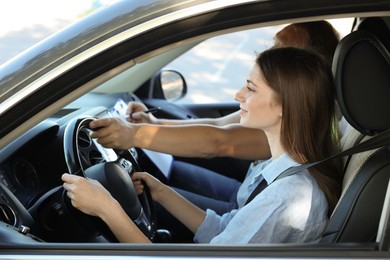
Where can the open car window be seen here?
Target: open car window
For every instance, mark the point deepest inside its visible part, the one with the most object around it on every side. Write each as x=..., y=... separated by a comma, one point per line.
x=216, y=68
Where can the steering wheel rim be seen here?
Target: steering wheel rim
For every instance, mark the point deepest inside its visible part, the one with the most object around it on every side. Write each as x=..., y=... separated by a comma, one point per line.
x=113, y=175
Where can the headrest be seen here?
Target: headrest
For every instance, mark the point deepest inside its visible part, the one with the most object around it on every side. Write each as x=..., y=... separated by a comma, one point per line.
x=361, y=67
x=378, y=27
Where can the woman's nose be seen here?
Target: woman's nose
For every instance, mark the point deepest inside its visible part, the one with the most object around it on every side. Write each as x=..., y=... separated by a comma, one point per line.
x=240, y=97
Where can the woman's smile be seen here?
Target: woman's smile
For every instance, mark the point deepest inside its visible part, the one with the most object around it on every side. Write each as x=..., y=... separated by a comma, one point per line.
x=243, y=112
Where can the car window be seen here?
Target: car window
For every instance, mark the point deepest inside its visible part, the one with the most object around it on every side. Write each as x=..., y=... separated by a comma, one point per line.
x=216, y=68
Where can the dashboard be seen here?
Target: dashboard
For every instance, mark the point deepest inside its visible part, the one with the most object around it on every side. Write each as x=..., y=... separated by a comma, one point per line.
x=31, y=168
x=20, y=176
x=33, y=164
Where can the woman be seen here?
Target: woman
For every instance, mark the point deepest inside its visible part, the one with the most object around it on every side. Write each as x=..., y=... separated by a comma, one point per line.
x=289, y=95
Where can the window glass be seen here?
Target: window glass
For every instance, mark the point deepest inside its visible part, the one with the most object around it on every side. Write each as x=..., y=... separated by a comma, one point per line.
x=216, y=68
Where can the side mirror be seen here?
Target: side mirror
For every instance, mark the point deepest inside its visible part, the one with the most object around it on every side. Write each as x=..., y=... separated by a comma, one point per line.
x=173, y=85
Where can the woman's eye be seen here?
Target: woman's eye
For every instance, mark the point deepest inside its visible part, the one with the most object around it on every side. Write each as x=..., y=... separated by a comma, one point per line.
x=249, y=89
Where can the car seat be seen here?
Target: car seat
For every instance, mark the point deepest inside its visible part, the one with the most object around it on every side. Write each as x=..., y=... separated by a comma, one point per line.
x=361, y=68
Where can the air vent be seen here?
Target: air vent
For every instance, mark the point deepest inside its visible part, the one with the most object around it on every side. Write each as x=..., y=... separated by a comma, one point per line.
x=7, y=215
x=84, y=141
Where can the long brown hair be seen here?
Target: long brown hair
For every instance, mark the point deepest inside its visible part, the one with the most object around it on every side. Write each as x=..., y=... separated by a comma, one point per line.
x=303, y=85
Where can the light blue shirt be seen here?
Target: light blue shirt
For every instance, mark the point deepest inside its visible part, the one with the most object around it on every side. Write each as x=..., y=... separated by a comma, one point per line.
x=292, y=209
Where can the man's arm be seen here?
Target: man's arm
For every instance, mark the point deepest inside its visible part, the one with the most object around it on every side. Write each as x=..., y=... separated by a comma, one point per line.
x=232, y=118
x=135, y=109
x=186, y=141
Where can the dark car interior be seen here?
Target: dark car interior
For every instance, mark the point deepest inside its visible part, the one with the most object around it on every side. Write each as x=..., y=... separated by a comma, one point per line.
x=34, y=209
x=365, y=107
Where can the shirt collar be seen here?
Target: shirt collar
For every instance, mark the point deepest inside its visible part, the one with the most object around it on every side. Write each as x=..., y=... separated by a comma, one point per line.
x=273, y=168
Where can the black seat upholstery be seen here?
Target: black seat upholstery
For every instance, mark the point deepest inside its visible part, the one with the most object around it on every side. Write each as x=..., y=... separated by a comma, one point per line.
x=362, y=72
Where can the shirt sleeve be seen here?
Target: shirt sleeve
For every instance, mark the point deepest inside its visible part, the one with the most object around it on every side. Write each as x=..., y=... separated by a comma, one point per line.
x=241, y=226
x=281, y=213
x=209, y=227
x=212, y=225
x=257, y=222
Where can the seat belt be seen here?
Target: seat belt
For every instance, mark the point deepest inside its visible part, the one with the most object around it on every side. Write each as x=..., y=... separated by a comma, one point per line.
x=259, y=188
x=377, y=141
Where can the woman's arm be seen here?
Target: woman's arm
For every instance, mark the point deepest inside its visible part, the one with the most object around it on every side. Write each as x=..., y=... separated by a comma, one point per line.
x=186, y=212
x=92, y=198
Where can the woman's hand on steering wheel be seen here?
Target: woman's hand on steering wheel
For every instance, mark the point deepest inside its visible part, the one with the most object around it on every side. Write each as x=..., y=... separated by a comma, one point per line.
x=155, y=186
x=87, y=195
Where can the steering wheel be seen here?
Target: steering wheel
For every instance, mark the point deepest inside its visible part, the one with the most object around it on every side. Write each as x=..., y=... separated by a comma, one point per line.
x=83, y=158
